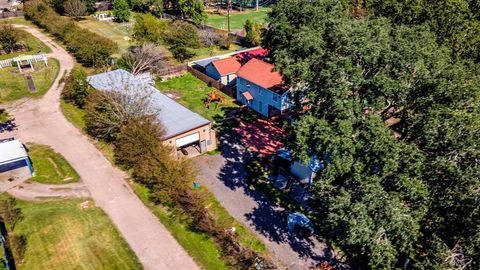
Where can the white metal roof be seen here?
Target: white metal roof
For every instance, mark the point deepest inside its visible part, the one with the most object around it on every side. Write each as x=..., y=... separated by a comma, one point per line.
x=11, y=151
x=175, y=118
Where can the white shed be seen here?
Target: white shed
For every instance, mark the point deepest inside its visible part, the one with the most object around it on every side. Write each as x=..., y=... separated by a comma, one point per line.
x=12, y=151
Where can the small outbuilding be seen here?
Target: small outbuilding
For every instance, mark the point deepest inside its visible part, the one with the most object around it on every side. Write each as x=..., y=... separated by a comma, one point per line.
x=223, y=70
x=14, y=155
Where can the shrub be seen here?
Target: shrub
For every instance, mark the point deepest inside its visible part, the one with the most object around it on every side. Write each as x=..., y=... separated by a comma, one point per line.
x=76, y=87
x=253, y=33
x=75, y=8
x=10, y=214
x=8, y=37
x=182, y=34
x=147, y=57
x=210, y=38
x=88, y=48
x=147, y=28
x=18, y=246
x=121, y=11
x=181, y=53
x=107, y=112
x=139, y=138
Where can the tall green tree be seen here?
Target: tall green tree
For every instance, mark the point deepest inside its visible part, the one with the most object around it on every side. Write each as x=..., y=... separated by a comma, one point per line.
x=9, y=37
x=121, y=11
x=147, y=28
x=190, y=9
x=390, y=190
x=75, y=89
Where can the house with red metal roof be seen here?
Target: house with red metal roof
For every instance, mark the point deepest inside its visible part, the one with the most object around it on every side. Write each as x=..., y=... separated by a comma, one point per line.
x=262, y=89
x=223, y=70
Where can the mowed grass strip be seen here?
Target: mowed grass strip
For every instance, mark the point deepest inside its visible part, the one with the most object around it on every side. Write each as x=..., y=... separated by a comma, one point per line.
x=237, y=19
x=61, y=235
x=13, y=84
x=117, y=32
x=192, y=93
x=50, y=167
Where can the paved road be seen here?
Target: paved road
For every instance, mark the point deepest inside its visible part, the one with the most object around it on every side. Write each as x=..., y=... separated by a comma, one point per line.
x=224, y=175
x=41, y=121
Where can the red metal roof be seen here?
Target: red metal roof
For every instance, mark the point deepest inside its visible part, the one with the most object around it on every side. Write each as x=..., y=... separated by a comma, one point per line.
x=258, y=53
x=226, y=66
x=261, y=73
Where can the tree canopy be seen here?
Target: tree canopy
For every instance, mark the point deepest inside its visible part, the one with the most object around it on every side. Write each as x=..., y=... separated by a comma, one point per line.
x=393, y=108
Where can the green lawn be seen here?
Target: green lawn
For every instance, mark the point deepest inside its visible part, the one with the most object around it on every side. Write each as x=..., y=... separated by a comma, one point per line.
x=73, y=114
x=117, y=32
x=237, y=19
x=34, y=44
x=192, y=93
x=61, y=235
x=13, y=85
x=17, y=20
x=50, y=167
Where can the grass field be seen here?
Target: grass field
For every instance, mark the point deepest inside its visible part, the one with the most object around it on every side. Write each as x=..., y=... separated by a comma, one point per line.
x=13, y=85
x=35, y=45
x=60, y=235
x=117, y=32
x=192, y=92
x=237, y=19
x=50, y=167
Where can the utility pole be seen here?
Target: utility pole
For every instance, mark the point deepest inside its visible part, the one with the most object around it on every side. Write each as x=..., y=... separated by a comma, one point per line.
x=229, y=7
x=257, y=5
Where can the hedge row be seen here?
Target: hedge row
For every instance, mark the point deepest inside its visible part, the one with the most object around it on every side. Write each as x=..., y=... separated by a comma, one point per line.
x=89, y=48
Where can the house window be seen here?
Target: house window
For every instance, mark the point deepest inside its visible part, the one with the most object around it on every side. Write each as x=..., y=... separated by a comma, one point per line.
x=209, y=142
x=260, y=91
x=275, y=97
x=260, y=105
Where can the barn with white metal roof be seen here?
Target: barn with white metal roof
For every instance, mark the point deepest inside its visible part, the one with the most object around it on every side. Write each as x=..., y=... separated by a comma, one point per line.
x=183, y=127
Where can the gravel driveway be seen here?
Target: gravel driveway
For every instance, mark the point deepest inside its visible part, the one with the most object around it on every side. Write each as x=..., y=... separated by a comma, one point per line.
x=42, y=122
x=224, y=176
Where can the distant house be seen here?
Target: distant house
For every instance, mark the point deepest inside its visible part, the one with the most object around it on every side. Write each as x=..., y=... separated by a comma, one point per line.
x=262, y=89
x=183, y=128
x=223, y=70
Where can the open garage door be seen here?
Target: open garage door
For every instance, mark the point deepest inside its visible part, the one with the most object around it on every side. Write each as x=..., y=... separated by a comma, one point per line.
x=187, y=140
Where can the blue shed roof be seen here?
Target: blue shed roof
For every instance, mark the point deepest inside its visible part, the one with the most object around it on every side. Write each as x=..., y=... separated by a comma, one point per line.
x=204, y=62
x=175, y=118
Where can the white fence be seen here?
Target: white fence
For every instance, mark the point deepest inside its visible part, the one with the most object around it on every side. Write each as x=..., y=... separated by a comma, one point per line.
x=24, y=58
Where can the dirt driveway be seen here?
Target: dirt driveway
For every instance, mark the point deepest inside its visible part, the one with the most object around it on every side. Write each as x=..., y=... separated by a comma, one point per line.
x=42, y=122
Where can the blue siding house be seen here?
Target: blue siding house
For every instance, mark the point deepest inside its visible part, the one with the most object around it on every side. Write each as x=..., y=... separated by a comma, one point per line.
x=262, y=89
x=223, y=70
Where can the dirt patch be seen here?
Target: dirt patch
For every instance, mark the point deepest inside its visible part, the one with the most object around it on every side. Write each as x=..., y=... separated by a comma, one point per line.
x=173, y=94
x=55, y=167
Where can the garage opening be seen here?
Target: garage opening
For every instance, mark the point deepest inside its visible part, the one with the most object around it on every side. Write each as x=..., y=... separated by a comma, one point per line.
x=189, y=146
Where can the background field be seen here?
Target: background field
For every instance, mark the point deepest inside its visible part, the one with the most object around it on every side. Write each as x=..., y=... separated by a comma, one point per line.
x=60, y=235
x=237, y=19
x=117, y=32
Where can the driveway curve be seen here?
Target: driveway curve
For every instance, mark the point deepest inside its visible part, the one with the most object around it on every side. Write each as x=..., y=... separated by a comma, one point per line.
x=41, y=121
